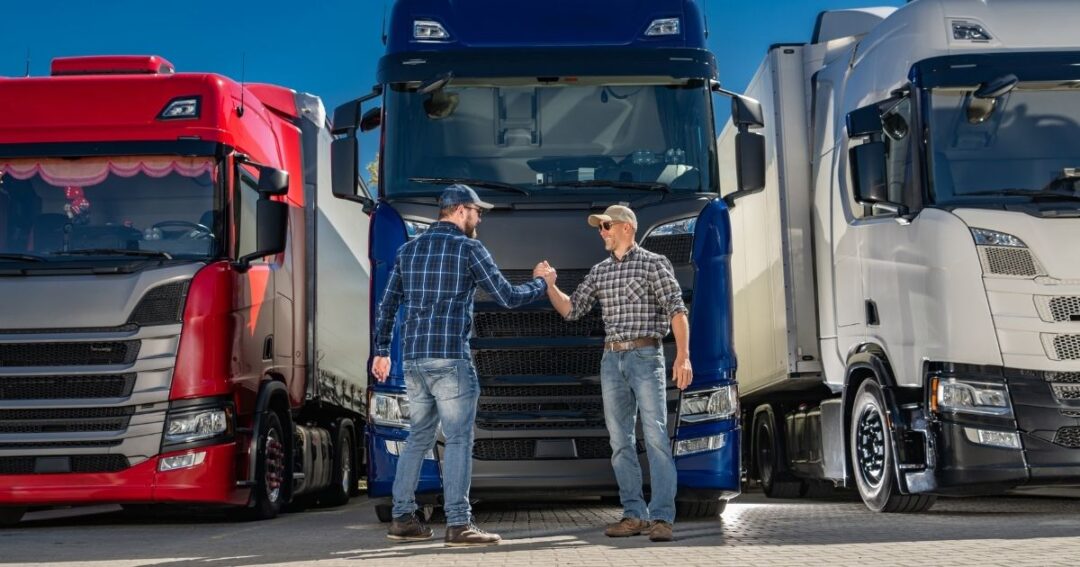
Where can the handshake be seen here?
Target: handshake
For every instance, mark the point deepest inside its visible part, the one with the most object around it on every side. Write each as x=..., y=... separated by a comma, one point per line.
x=544, y=270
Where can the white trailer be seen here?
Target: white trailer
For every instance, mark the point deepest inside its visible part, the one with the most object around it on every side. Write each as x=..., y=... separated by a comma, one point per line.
x=906, y=287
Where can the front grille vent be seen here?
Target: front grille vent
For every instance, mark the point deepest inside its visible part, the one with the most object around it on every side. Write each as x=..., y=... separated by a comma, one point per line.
x=1066, y=347
x=1062, y=377
x=500, y=324
x=68, y=354
x=162, y=305
x=568, y=280
x=677, y=247
x=1066, y=391
x=1008, y=261
x=525, y=449
x=1065, y=308
x=561, y=390
x=65, y=387
x=1068, y=437
x=571, y=361
x=68, y=420
x=79, y=464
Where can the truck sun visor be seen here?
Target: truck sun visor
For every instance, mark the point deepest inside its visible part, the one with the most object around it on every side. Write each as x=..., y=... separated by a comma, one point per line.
x=91, y=171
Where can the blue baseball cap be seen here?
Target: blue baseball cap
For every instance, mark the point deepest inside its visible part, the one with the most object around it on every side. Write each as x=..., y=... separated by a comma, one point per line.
x=461, y=194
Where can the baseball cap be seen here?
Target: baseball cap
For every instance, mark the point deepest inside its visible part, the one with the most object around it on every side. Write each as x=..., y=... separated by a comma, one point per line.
x=614, y=213
x=461, y=194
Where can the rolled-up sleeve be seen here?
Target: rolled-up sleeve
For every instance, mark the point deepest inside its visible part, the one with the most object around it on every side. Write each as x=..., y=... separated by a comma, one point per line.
x=583, y=298
x=666, y=287
x=491, y=280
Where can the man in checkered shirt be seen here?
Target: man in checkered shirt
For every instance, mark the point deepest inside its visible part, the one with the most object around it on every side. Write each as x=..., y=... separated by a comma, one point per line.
x=640, y=300
x=435, y=277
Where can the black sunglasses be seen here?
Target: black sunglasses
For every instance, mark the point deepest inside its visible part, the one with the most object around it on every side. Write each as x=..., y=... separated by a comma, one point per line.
x=606, y=225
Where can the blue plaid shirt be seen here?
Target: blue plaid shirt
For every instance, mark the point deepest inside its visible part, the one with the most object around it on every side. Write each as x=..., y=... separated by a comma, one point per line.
x=435, y=278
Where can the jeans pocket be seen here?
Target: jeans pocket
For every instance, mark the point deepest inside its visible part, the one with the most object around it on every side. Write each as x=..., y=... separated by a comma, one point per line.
x=444, y=382
x=646, y=353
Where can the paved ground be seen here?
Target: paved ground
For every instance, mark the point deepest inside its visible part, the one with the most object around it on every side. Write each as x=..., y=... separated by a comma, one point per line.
x=753, y=531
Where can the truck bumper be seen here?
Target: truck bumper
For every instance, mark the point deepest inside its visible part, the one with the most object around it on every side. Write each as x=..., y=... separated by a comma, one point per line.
x=211, y=482
x=710, y=474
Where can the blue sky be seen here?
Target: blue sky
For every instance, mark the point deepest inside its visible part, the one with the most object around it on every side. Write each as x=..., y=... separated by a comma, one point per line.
x=326, y=47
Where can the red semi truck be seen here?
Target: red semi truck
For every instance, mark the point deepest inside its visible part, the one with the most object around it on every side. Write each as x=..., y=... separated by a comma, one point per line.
x=168, y=330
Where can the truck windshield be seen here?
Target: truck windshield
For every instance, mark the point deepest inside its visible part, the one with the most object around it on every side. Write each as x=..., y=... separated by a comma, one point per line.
x=1019, y=148
x=131, y=206
x=584, y=135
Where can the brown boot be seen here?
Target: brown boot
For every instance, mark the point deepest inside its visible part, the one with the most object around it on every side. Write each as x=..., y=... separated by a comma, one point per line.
x=660, y=530
x=468, y=536
x=408, y=528
x=626, y=527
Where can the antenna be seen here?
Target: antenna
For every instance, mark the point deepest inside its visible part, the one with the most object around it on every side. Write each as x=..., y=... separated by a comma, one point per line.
x=384, y=22
x=243, y=70
x=27, y=61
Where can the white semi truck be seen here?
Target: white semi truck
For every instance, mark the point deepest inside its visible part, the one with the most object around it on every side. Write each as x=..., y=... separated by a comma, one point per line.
x=907, y=285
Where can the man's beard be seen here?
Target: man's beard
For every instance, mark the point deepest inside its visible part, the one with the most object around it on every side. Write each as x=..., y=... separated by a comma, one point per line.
x=470, y=231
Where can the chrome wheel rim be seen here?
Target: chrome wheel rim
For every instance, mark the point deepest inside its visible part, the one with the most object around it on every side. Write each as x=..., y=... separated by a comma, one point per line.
x=870, y=446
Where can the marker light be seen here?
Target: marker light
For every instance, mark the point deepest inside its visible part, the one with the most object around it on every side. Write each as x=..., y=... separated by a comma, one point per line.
x=185, y=107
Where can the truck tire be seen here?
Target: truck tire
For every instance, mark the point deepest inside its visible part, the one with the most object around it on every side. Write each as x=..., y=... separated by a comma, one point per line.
x=271, y=470
x=872, y=458
x=699, y=509
x=769, y=459
x=10, y=516
x=344, y=477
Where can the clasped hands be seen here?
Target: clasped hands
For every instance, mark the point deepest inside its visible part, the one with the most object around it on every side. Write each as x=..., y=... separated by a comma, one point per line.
x=544, y=270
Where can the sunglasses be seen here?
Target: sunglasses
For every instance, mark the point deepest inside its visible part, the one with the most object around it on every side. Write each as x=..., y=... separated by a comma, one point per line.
x=479, y=211
x=606, y=225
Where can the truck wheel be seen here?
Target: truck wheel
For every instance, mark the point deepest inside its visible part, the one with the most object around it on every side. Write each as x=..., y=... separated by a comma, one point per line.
x=341, y=486
x=769, y=460
x=699, y=509
x=872, y=458
x=271, y=470
x=11, y=516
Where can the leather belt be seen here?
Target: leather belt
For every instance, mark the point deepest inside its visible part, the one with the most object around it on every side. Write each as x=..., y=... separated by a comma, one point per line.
x=623, y=346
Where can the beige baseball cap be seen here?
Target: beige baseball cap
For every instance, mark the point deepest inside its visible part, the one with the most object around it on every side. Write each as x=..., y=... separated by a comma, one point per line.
x=614, y=213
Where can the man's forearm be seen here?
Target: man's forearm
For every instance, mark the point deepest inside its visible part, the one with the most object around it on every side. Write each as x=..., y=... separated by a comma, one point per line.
x=680, y=327
x=559, y=300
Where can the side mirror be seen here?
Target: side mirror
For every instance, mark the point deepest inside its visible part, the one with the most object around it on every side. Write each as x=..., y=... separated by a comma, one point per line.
x=271, y=231
x=749, y=166
x=371, y=120
x=868, y=172
x=273, y=181
x=864, y=121
x=746, y=112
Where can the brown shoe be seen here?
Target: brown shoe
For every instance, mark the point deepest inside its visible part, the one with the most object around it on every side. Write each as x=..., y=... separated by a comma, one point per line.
x=408, y=528
x=627, y=527
x=660, y=530
x=469, y=535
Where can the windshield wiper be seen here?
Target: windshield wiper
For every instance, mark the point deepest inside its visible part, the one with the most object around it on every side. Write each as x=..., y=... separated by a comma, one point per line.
x=1034, y=195
x=113, y=252
x=1068, y=175
x=635, y=185
x=18, y=256
x=496, y=185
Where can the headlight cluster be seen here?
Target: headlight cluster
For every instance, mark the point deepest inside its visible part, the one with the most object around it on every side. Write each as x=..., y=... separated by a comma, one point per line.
x=198, y=424
x=985, y=237
x=389, y=409
x=982, y=398
x=415, y=228
x=709, y=405
x=681, y=226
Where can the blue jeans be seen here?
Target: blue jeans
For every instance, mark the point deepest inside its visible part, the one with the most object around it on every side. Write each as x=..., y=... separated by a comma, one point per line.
x=632, y=381
x=446, y=390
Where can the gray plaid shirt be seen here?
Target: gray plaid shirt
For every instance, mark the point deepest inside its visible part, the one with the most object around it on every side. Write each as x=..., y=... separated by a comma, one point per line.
x=638, y=295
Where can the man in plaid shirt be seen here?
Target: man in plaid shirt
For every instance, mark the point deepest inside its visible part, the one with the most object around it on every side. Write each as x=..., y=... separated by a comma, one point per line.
x=641, y=301
x=434, y=278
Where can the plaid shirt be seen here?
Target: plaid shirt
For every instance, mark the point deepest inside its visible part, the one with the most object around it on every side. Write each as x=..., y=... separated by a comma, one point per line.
x=638, y=295
x=435, y=278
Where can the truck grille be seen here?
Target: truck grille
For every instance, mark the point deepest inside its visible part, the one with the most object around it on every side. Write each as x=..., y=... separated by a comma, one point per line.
x=68, y=354
x=1008, y=261
x=565, y=390
x=560, y=361
x=65, y=420
x=65, y=387
x=1067, y=347
x=1062, y=377
x=535, y=324
x=677, y=247
x=568, y=280
x=567, y=404
x=1065, y=308
x=79, y=464
x=162, y=305
x=525, y=449
x=1068, y=437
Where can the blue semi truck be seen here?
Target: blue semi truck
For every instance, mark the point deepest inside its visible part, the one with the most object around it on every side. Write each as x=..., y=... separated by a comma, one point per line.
x=552, y=111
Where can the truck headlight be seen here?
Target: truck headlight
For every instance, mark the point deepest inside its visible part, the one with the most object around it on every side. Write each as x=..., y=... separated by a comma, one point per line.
x=984, y=237
x=389, y=409
x=709, y=405
x=197, y=425
x=415, y=228
x=682, y=226
x=952, y=395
